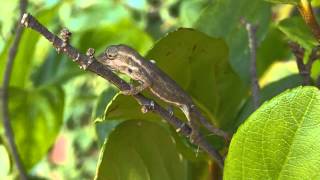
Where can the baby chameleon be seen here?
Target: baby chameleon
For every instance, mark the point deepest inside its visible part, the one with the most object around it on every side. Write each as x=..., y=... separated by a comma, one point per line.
x=126, y=60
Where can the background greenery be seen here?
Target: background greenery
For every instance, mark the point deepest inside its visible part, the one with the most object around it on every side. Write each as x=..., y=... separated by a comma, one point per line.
x=71, y=124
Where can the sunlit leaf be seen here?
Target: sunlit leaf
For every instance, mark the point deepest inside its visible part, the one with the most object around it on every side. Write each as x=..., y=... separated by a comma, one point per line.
x=280, y=140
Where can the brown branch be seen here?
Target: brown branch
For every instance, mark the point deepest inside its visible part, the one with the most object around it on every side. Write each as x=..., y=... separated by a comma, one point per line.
x=97, y=68
x=304, y=69
x=307, y=14
x=255, y=88
x=5, y=95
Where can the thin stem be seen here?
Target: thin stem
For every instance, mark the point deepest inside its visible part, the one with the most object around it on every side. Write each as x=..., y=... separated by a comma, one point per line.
x=5, y=96
x=304, y=69
x=97, y=68
x=255, y=88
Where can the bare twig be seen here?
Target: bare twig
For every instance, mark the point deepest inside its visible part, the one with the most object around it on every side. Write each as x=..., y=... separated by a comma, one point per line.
x=307, y=14
x=255, y=88
x=5, y=95
x=97, y=68
x=298, y=52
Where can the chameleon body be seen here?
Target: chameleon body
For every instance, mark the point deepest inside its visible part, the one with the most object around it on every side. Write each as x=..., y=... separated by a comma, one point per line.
x=123, y=59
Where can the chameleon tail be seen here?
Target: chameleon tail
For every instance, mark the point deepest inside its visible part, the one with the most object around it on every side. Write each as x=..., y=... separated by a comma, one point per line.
x=208, y=125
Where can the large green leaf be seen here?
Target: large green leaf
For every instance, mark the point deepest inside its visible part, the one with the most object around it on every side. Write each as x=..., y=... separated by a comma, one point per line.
x=36, y=118
x=223, y=19
x=280, y=140
x=140, y=150
x=206, y=75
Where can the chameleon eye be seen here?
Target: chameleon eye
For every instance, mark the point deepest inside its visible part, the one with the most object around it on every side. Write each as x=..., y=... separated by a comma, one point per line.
x=111, y=52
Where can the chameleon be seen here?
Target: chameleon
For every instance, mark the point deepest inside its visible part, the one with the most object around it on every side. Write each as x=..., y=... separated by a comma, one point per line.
x=126, y=60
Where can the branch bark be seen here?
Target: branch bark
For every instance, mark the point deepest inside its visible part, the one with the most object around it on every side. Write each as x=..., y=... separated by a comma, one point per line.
x=97, y=68
x=5, y=95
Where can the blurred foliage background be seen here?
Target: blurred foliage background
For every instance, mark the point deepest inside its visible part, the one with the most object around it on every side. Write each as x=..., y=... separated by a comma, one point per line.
x=57, y=110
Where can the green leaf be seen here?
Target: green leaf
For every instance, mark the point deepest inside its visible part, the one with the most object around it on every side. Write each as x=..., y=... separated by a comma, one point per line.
x=296, y=30
x=294, y=2
x=140, y=150
x=103, y=100
x=280, y=140
x=103, y=129
x=36, y=118
x=125, y=108
x=223, y=19
x=206, y=75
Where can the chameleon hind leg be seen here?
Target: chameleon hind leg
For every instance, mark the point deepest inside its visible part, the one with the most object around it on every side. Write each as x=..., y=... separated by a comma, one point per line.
x=209, y=126
x=193, y=114
x=193, y=124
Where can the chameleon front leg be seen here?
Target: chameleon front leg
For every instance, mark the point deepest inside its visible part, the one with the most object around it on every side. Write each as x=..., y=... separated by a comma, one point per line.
x=136, y=89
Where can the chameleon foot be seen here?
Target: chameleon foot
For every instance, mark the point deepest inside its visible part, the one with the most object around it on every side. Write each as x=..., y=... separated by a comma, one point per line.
x=181, y=127
x=129, y=92
x=194, y=137
x=147, y=107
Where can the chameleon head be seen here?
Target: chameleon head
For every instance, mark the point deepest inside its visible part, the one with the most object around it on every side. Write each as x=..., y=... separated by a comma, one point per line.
x=115, y=57
x=111, y=52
